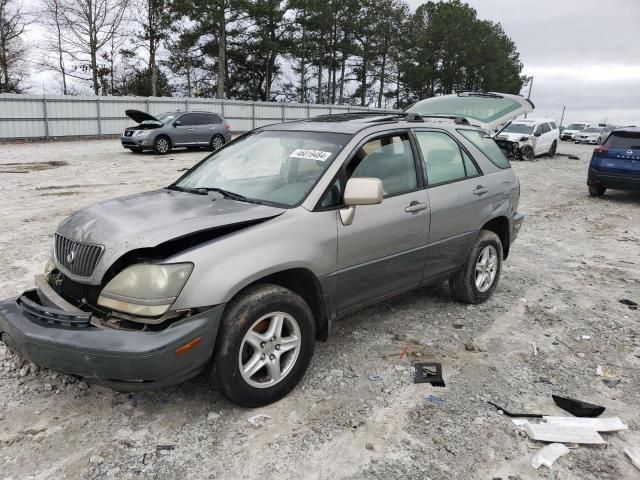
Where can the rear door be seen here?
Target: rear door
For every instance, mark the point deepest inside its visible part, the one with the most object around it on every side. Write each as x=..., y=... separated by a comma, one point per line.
x=620, y=154
x=458, y=195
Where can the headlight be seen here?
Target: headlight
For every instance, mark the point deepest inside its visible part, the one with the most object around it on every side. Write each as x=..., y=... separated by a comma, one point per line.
x=148, y=290
x=141, y=133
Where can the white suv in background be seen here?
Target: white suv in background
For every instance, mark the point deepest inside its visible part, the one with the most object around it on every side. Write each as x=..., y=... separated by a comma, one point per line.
x=534, y=136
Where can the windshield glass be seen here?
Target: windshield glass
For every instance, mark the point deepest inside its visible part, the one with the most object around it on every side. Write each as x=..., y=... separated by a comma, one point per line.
x=165, y=118
x=576, y=126
x=277, y=167
x=484, y=109
x=592, y=130
x=519, y=128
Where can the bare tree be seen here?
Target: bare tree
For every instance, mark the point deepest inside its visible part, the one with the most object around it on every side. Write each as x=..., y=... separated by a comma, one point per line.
x=91, y=24
x=54, y=49
x=12, y=47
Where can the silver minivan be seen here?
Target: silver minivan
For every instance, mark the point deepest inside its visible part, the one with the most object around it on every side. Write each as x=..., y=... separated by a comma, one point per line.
x=238, y=267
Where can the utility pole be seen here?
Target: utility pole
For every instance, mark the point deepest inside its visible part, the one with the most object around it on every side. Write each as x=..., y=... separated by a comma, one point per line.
x=562, y=118
x=529, y=94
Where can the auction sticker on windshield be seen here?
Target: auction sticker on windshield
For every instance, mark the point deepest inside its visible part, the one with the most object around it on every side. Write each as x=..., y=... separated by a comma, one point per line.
x=310, y=154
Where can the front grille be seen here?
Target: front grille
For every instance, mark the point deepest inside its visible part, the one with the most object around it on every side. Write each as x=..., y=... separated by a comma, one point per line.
x=77, y=258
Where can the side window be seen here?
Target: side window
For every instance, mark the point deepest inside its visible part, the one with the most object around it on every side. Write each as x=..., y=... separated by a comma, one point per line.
x=553, y=125
x=189, y=119
x=538, y=130
x=442, y=157
x=388, y=158
x=470, y=167
x=545, y=128
x=210, y=118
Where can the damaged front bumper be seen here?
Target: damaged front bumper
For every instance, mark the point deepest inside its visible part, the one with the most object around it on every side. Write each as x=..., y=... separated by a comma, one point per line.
x=515, y=150
x=66, y=340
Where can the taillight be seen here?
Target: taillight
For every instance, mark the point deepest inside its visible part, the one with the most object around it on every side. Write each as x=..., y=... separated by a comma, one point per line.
x=227, y=126
x=600, y=149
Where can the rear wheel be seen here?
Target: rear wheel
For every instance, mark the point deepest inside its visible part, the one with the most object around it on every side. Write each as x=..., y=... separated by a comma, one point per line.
x=216, y=142
x=552, y=150
x=596, y=191
x=161, y=145
x=480, y=275
x=264, y=346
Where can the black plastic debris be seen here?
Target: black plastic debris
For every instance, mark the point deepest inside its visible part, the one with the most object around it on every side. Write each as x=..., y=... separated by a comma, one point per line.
x=629, y=303
x=578, y=407
x=429, y=373
x=513, y=414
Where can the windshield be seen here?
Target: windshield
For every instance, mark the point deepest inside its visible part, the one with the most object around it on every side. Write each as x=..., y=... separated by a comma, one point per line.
x=592, y=130
x=275, y=167
x=484, y=109
x=576, y=126
x=519, y=128
x=165, y=118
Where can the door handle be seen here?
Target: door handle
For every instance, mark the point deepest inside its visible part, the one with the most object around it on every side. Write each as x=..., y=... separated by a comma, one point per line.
x=415, y=207
x=480, y=190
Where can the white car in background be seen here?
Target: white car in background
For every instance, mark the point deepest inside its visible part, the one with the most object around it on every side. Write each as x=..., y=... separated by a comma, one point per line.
x=573, y=128
x=534, y=136
x=594, y=135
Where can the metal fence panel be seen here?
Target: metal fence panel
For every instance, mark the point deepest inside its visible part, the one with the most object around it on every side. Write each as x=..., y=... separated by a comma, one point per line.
x=38, y=116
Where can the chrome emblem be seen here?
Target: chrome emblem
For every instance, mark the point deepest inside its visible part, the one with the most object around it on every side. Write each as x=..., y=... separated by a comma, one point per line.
x=629, y=152
x=71, y=256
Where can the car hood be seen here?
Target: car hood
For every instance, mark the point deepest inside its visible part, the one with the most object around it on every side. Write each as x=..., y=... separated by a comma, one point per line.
x=139, y=117
x=487, y=110
x=512, y=136
x=146, y=220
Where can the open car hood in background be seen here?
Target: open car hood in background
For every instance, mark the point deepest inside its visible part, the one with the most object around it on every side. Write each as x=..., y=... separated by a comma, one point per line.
x=487, y=110
x=139, y=117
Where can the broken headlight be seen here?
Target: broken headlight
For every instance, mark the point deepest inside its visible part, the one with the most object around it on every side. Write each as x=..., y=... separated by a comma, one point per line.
x=147, y=290
x=141, y=133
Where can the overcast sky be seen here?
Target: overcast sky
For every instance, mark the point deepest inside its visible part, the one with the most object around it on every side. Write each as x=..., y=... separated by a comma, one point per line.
x=581, y=53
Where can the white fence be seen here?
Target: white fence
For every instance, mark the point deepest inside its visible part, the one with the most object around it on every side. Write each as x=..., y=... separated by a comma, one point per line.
x=40, y=116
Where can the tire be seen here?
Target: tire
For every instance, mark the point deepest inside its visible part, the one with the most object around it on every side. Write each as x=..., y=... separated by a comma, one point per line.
x=241, y=338
x=161, y=145
x=216, y=142
x=464, y=284
x=599, y=141
x=527, y=153
x=596, y=191
x=552, y=150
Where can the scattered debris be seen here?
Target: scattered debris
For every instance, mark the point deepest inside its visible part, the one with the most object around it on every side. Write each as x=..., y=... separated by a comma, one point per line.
x=429, y=373
x=376, y=378
x=427, y=342
x=578, y=407
x=609, y=424
x=529, y=310
x=259, y=420
x=404, y=351
x=560, y=341
x=573, y=157
x=611, y=382
x=549, y=432
x=600, y=371
x=212, y=417
x=470, y=346
x=549, y=454
x=165, y=448
x=535, y=348
x=634, y=455
x=586, y=337
x=629, y=303
x=435, y=400
x=580, y=355
x=512, y=414
x=96, y=459
x=368, y=446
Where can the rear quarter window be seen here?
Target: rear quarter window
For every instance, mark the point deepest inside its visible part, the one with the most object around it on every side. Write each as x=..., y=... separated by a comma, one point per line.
x=487, y=146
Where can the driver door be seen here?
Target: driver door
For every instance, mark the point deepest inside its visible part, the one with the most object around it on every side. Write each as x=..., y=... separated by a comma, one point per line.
x=384, y=250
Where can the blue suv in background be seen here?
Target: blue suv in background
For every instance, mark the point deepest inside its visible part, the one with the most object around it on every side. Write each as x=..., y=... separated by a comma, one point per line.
x=616, y=163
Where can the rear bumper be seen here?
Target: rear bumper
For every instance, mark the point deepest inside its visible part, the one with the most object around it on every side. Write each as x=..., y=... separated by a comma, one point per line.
x=119, y=359
x=614, y=181
x=516, y=223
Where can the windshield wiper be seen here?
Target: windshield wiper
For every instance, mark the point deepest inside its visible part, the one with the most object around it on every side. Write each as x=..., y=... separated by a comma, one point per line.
x=198, y=191
x=221, y=191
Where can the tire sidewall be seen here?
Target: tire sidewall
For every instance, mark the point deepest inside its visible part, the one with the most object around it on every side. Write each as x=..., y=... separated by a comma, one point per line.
x=485, y=239
x=238, y=318
x=155, y=144
x=212, y=147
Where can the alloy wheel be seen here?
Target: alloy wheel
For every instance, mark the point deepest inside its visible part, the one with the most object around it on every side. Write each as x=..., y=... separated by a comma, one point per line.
x=269, y=350
x=162, y=145
x=217, y=142
x=486, y=268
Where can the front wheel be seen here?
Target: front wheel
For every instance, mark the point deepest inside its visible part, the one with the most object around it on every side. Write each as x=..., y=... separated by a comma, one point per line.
x=596, y=191
x=477, y=280
x=216, y=142
x=264, y=346
x=161, y=145
x=527, y=152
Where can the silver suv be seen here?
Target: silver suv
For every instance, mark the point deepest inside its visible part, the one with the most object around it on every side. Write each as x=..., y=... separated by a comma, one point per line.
x=169, y=130
x=246, y=260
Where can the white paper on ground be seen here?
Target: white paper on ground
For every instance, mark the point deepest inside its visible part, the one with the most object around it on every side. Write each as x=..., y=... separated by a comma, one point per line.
x=549, y=454
x=634, y=454
x=548, y=432
x=608, y=424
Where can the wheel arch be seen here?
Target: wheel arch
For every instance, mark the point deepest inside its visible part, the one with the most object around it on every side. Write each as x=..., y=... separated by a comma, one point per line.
x=500, y=226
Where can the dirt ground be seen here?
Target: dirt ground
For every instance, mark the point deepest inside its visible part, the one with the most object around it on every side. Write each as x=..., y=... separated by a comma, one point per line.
x=575, y=259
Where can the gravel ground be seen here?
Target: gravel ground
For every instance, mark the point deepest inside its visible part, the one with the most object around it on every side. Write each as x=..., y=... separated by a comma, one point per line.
x=575, y=259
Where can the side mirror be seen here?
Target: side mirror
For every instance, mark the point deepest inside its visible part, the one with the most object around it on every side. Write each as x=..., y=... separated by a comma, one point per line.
x=177, y=123
x=360, y=191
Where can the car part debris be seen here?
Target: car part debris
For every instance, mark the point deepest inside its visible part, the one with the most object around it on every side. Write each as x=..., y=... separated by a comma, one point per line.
x=634, y=455
x=549, y=432
x=259, y=419
x=376, y=378
x=609, y=424
x=577, y=407
x=629, y=303
x=429, y=373
x=512, y=414
x=534, y=346
x=611, y=382
x=427, y=342
x=435, y=400
x=573, y=157
x=549, y=454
